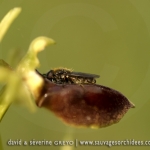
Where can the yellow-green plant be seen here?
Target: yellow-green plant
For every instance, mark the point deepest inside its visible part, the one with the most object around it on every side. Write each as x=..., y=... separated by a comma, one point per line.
x=21, y=83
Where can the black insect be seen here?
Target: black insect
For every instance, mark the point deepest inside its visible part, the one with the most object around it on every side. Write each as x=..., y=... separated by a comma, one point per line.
x=66, y=76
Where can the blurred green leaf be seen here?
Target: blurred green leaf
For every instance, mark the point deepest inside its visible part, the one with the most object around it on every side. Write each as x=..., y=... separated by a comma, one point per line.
x=7, y=20
x=9, y=92
x=14, y=90
x=30, y=61
x=22, y=84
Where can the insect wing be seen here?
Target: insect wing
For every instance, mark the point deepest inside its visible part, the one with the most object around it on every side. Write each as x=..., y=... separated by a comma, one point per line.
x=85, y=75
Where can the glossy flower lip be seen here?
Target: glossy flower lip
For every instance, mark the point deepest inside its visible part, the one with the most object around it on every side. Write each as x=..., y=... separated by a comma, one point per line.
x=89, y=105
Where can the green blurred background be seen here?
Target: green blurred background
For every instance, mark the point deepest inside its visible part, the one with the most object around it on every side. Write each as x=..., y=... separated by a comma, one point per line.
x=109, y=38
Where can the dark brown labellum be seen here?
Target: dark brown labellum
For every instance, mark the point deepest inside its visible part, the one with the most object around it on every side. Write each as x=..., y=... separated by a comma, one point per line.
x=88, y=105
